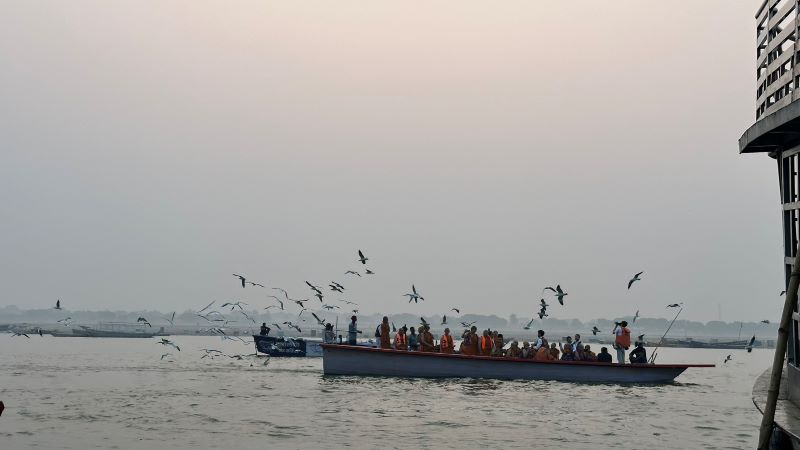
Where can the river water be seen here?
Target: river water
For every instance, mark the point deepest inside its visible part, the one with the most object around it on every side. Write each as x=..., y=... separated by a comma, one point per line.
x=80, y=393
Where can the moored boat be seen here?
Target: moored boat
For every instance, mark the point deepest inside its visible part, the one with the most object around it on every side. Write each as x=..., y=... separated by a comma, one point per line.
x=286, y=346
x=338, y=359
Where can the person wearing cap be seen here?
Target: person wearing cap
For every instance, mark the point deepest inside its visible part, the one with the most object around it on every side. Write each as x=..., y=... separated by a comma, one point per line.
x=639, y=354
x=622, y=340
x=353, y=331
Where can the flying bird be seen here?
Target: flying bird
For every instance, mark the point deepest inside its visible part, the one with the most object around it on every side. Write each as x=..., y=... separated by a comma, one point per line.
x=558, y=293
x=394, y=329
x=423, y=321
x=319, y=296
x=355, y=311
x=335, y=287
x=277, y=300
x=634, y=279
x=782, y=292
x=277, y=326
x=369, y=272
x=444, y=320
x=458, y=311
x=248, y=317
x=727, y=358
x=17, y=333
x=414, y=296
x=300, y=303
x=143, y=320
x=352, y=272
x=330, y=307
x=234, y=305
x=675, y=305
x=528, y=326
x=635, y=316
x=66, y=322
x=595, y=330
x=542, y=314
x=362, y=258
x=207, y=306
x=319, y=321
x=168, y=342
x=271, y=306
x=171, y=320
x=348, y=302
x=255, y=284
x=750, y=343
x=243, y=279
x=765, y=321
x=640, y=338
x=285, y=294
x=543, y=303
x=58, y=304
x=167, y=354
x=467, y=325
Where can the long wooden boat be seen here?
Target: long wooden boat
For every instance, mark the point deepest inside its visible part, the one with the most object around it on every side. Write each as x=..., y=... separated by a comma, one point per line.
x=339, y=359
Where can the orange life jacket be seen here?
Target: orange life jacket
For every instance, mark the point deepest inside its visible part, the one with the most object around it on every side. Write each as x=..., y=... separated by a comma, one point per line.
x=486, y=345
x=401, y=341
x=624, y=339
x=446, y=344
x=541, y=354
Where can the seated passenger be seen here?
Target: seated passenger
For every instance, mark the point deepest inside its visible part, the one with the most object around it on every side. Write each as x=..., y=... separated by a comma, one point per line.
x=588, y=354
x=401, y=340
x=543, y=354
x=567, y=355
x=639, y=354
x=514, y=351
x=526, y=350
x=499, y=343
x=413, y=340
x=446, y=342
x=577, y=348
x=487, y=344
x=554, y=353
x=604, y=356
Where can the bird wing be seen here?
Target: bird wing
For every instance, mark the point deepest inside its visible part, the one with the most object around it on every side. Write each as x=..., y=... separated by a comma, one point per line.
x=548, y=288
x=361, y=255
x=558, y=289
x=630, y=283
x=638, y=274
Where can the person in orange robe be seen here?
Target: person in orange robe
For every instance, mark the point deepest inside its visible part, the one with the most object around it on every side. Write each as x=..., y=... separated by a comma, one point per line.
x=426, y=339
x=386, y=340
x=400, y=340
x=487, y=344
x=446, y=342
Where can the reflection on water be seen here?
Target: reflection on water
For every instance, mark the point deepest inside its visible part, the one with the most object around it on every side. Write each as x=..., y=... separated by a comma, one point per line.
x=77, y=393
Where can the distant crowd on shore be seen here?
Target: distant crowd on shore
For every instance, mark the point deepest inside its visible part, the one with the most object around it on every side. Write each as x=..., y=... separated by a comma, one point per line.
x=491, y=343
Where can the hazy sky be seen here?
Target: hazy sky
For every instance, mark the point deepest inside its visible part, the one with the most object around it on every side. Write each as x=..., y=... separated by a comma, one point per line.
x=480, y=150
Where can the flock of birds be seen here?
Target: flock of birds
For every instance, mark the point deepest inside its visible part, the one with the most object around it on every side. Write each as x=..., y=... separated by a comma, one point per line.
x=218, y=321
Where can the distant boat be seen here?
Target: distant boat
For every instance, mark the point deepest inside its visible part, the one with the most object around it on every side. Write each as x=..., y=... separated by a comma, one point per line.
x=287, y=347
x=110, y=330
x=691, y=343
x=338, y=359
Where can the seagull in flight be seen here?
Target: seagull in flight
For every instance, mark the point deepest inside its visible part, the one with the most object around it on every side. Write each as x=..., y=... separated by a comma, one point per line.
x=171, y=320
x=543, y=303
x=782, y=292
x=458, y=311
x=362, y=258
x=143, y=320
x=210, y=353
x=234, y=305
x=300, y=302
x=277, y=326
x=369, y=272
x=319, y=296
x=248, y=317
x=243, y=279
x=207, y=306
x=765, y=321
x=352, y=272
x=291, y=325
x=66, y=322
x=255, y=284
x=595, y=330
x=467, y=325
x=444, y=320
x=58, y=304
x=285, y=294
x=528, y=326
x=348, y=302
x=635, y=316
x=423, y=321
x=750, y=343
x=542, y=314
x=634, y=279
x=675, y=305
x=315, y=288
x=394, y=329
x=319, y=321
x=17, y=333
x=355, y=311
x=169, y=354
x=336, y=287
x=558, y=293
x=727, y=358
x=330, y=307
x=415, y=296
x=277, y=300
x=168, y=342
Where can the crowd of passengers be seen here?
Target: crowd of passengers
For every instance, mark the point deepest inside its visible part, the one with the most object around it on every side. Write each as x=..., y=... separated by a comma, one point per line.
x=491, y=343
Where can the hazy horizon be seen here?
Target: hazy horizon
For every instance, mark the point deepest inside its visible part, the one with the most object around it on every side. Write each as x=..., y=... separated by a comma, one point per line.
x=480, y=153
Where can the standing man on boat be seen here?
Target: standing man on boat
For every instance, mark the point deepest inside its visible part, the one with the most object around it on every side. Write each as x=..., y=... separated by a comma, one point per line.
x=622, y=340
x=264, y=329
x=487, y=344
x=539, y=341
x=446, y=342
x=353, y=332
x=386, y=339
